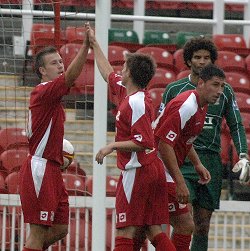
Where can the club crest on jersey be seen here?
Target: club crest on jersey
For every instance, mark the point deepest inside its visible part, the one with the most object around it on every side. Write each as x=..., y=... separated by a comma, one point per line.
x=171, y=207
x=138, y=137
x=171, y=135
x=44, y=215
x=122, y=217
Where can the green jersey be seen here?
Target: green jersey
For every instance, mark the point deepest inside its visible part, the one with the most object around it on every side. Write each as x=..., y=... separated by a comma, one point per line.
x=226, y=107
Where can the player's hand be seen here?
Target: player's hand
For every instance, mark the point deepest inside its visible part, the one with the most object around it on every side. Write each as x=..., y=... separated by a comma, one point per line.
x=91, y=35
x=182, y=193
x=103, y=152
x=244, y=166
x=86, y=38
x=204, y=174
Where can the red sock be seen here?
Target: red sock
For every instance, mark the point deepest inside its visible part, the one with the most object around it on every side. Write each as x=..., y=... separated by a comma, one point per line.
x=162, y=243
x=30, y=249
x=181, y=242
x=123, y=244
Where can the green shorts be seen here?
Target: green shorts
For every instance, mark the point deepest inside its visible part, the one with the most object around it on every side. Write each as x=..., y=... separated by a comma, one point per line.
x=206, y=196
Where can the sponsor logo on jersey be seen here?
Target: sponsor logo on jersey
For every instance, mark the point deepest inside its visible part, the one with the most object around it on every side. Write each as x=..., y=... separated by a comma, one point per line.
x=138, y=137
x=171, y=135
x=44, y=215
x=122, y=217
x=208, y=123
x=171, y=207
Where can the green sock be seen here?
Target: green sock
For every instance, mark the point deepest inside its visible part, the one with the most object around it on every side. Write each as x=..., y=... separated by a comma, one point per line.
x=199, y=242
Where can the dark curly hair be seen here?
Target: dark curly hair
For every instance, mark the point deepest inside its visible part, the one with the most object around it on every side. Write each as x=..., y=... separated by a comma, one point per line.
x=142, y=68
x=196, y=44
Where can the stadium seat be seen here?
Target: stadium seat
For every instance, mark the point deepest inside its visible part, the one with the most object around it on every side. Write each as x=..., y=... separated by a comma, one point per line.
x=116, y=54
x=243, y=101
x=183, y=36
x=179, y=61
x=75, y=184
x=111, y=183
x=231, y=42
x=75, y=34
x=3, y=188
x=156, y=37
x=162, y=57
x=74, y=168
x=183, y=74
x=246, y=120
x=13, y=137
x=230, y=61
x=247, y=61
x=122, y=35
x=156, y=95
x=239, y=81
x=12, y=183
x=42, y=35
x=162, y=78
x=13, y=159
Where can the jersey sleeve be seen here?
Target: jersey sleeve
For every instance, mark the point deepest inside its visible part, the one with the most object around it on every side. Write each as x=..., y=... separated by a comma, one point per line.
x=117, y=89
x=53, y=91
x=234, y=122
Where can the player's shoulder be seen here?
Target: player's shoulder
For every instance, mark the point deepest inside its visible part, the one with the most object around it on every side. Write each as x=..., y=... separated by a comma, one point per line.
x=228, y=90
x=178, y=84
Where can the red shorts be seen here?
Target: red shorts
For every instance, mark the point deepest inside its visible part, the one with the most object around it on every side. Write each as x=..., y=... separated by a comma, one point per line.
x=141, y=196
x=43, y=194
x=174, y=207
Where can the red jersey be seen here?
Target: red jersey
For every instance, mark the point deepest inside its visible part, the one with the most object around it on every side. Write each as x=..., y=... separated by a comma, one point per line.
x=45, y=127
x=180, y=123
x=133, y=122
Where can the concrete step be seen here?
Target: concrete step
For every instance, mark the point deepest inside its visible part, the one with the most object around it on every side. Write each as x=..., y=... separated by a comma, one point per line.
x=15, y=91
x=10, y=80
x=14, y=101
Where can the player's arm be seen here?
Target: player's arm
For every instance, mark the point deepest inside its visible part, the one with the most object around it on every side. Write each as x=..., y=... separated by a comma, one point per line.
x=74, y=69
x=126, y=146
x=102, y=62
x=168, y=157
x=204, y=174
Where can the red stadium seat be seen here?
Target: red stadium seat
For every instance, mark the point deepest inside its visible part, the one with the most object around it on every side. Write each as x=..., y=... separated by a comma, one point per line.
x=239, y=81
x=246, y=120
x=13, y=159
x=12, y=183
x=179, y=61
x=243, y=101
x=75, y=184
x=162, y=57
x=116, y=54
x=162, y=78
x=75, y=34
x=230, y=61
x=247, y=61
x=156, y=95
x=183, y=74
x=74, y=168
x=3, y=188
x=42, y=35
x=13, y=138
x=111, y=183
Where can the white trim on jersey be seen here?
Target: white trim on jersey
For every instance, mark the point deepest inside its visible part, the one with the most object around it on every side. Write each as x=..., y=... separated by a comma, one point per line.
x=42, y=144
x=29, y=128
x=188, y=109
x=128, y=179
x=137, y=104
x=38, y=166
x=133, y=162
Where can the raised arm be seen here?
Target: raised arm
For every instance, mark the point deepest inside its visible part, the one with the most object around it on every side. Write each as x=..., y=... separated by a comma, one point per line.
x=76, y=66
x=102, y=62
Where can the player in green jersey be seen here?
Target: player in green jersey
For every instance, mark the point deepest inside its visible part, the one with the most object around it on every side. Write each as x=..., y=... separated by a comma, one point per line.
x=199, y=52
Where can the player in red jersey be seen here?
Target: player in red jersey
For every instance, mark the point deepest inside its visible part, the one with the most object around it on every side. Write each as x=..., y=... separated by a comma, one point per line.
x=175, y=131
x=43, y=195
x=140, y=195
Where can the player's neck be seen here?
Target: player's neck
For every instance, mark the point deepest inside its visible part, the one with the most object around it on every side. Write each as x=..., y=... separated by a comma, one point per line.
x=194, y=78
x=131, y=89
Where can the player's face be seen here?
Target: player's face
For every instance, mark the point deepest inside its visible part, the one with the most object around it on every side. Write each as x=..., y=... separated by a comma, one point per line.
x=200, y=59
x=212, y=89
x=53, y=66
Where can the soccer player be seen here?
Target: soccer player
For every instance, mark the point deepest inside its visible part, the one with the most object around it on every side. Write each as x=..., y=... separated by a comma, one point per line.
x=43, y=195
x=199, y=52
x=140, y=195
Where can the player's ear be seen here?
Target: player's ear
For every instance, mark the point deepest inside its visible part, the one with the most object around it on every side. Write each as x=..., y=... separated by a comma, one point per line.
x=42, y=70
x=200, y=83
